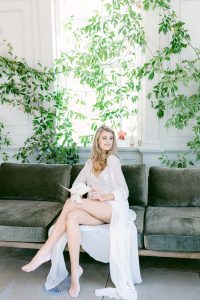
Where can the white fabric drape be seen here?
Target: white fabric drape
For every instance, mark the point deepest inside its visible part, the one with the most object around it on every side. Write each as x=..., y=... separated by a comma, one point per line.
x=115, y=243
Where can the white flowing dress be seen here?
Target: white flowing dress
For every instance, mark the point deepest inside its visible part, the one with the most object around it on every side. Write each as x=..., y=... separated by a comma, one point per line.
x=115, y=243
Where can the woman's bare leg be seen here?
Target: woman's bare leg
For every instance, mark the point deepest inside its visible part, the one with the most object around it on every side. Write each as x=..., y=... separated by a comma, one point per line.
x=101, y=210
x=74, y=219
x=97, y=209
x=44, y=254
x=90, y=212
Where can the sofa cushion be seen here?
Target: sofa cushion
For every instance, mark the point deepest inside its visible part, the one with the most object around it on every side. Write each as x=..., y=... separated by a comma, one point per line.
x=172, y=228
x=27, y=221
x=74, y=172
x=139, y=210
x=33, y=181
x=174, y=187
x=135, y=176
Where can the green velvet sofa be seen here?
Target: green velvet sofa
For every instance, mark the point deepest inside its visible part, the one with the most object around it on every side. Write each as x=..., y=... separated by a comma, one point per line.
x=168, y=216
x=172, y=217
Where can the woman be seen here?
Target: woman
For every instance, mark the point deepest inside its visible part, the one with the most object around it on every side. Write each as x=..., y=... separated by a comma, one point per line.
x=107, y=204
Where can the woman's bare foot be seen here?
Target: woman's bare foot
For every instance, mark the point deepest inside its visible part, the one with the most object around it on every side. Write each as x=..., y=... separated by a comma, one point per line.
x=37, y=261
x=74, y=289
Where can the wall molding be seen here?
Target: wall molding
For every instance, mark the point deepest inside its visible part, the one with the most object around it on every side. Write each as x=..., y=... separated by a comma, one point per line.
x=148, y=156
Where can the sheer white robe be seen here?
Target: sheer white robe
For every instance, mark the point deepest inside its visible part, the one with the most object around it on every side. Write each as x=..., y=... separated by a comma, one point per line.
x=115, y=243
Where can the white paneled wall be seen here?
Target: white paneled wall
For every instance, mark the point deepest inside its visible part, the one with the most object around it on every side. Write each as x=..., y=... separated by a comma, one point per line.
x=27, y=25
x=30, y=26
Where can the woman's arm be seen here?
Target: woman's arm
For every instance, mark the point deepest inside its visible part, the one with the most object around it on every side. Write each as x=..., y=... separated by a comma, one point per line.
x=82, y=176
x=119, y=186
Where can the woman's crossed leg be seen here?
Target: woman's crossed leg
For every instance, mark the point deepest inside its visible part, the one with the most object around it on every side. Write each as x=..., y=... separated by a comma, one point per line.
x=90, y=212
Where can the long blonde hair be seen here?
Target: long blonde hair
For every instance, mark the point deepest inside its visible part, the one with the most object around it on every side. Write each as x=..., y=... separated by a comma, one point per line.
x=99, y=159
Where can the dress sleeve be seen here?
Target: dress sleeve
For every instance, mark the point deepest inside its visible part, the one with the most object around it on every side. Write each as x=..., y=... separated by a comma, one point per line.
x=120, y=189
x=83, y=175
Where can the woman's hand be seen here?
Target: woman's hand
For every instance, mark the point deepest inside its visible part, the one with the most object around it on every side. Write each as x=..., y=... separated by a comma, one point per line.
x=107, y=197
x=98, y=196
x=95, y=195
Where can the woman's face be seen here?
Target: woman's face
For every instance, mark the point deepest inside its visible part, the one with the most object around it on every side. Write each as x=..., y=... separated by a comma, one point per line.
x=106, y=140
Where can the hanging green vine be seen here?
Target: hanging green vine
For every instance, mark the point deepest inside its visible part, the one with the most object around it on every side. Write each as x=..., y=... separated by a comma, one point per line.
x=108, y=59
x=34, y=91
x=168, y=92
x=103, y=56
x=4, y=141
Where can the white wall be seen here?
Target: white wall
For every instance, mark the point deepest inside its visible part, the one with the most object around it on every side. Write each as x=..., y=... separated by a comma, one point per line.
x=28, y=25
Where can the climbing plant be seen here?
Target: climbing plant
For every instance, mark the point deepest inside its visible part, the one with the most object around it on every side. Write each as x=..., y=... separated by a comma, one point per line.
x=103, y=55
x=107, y=63
x=4, y=141
x=173, y=90
x=34, y=91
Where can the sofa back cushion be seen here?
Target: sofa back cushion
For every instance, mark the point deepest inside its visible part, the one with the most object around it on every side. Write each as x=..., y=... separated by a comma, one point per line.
x=174, y=187
x=74, y=172
x=135, y=176
x=34, y=182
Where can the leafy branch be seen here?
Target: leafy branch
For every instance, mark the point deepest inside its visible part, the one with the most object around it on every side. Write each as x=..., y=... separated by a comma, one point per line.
x=168, y=92
x=35, y=92
x=4, y=142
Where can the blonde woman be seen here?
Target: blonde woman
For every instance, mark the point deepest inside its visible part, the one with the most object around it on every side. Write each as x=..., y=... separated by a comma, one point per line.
x=105, y=210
